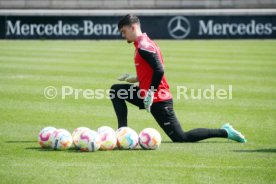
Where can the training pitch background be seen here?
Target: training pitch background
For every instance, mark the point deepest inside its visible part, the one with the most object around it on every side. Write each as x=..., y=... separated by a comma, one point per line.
x=27, y=67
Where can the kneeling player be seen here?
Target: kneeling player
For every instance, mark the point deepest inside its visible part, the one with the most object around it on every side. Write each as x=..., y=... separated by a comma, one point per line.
x=153, y=92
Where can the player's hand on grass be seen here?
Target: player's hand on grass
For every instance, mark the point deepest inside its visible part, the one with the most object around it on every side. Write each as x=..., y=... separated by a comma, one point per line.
x=148, y=100
x=128, y=78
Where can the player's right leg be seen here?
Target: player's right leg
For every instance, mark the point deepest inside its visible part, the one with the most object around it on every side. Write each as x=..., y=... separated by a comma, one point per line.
x=119, y=103
x=119, y=94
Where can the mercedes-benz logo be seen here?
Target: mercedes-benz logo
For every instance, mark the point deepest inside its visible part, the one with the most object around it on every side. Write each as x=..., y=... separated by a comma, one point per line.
x=179, y=27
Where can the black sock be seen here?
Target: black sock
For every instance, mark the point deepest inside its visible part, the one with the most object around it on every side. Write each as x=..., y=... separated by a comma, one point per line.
x=120, y=107
x=204, y=133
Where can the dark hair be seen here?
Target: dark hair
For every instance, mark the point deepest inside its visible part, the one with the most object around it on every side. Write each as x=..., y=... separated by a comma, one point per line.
x=128, y=20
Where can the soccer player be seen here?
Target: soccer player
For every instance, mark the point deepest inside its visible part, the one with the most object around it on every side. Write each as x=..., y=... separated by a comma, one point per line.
x=153, y=93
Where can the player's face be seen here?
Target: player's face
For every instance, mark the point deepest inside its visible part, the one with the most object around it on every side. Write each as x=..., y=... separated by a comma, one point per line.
x=128, y=33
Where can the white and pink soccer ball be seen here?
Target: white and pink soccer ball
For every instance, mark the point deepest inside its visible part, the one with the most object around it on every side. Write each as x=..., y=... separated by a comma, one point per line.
x=44, y=137
x=76, y=134
x=89, y=140
x=61, y=139
x=108, y=138
x=127, y=138
x=149, y=139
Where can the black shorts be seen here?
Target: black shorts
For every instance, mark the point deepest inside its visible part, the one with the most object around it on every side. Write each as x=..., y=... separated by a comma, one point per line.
x=162, y=112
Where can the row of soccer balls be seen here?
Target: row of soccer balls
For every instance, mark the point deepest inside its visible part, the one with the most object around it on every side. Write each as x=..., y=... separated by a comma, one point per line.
x=105, y=138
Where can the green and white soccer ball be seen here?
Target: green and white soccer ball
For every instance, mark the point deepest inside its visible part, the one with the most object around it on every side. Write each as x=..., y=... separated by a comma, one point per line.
x=127, y=138
x=108, y=138
x=44, y=137
x=61, y=139
x=150, y=139
x=89, y=140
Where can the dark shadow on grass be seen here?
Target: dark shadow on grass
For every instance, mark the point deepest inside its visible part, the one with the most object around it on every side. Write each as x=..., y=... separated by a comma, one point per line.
x=39, y=149
x=74, y=150
x=257, y=151
x=50, y=149
x=200, y=142
x=18, y=142
x=46, y=149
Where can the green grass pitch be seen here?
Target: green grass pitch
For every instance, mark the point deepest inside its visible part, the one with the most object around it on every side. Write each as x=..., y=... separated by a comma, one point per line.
x=27, y=67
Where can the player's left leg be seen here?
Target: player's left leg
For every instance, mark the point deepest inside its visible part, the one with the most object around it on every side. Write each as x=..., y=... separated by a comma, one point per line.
x=165, y=116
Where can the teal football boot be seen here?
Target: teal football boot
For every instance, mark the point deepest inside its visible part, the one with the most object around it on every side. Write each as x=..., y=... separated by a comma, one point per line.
x=233, y=134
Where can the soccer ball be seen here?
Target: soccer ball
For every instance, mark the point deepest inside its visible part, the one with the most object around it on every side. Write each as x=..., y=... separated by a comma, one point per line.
x=127, y=138
x=44, y=137
x=76, y=134
x=149, y=138
x=108, y=138
x=89, y=140
x=61, y=139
